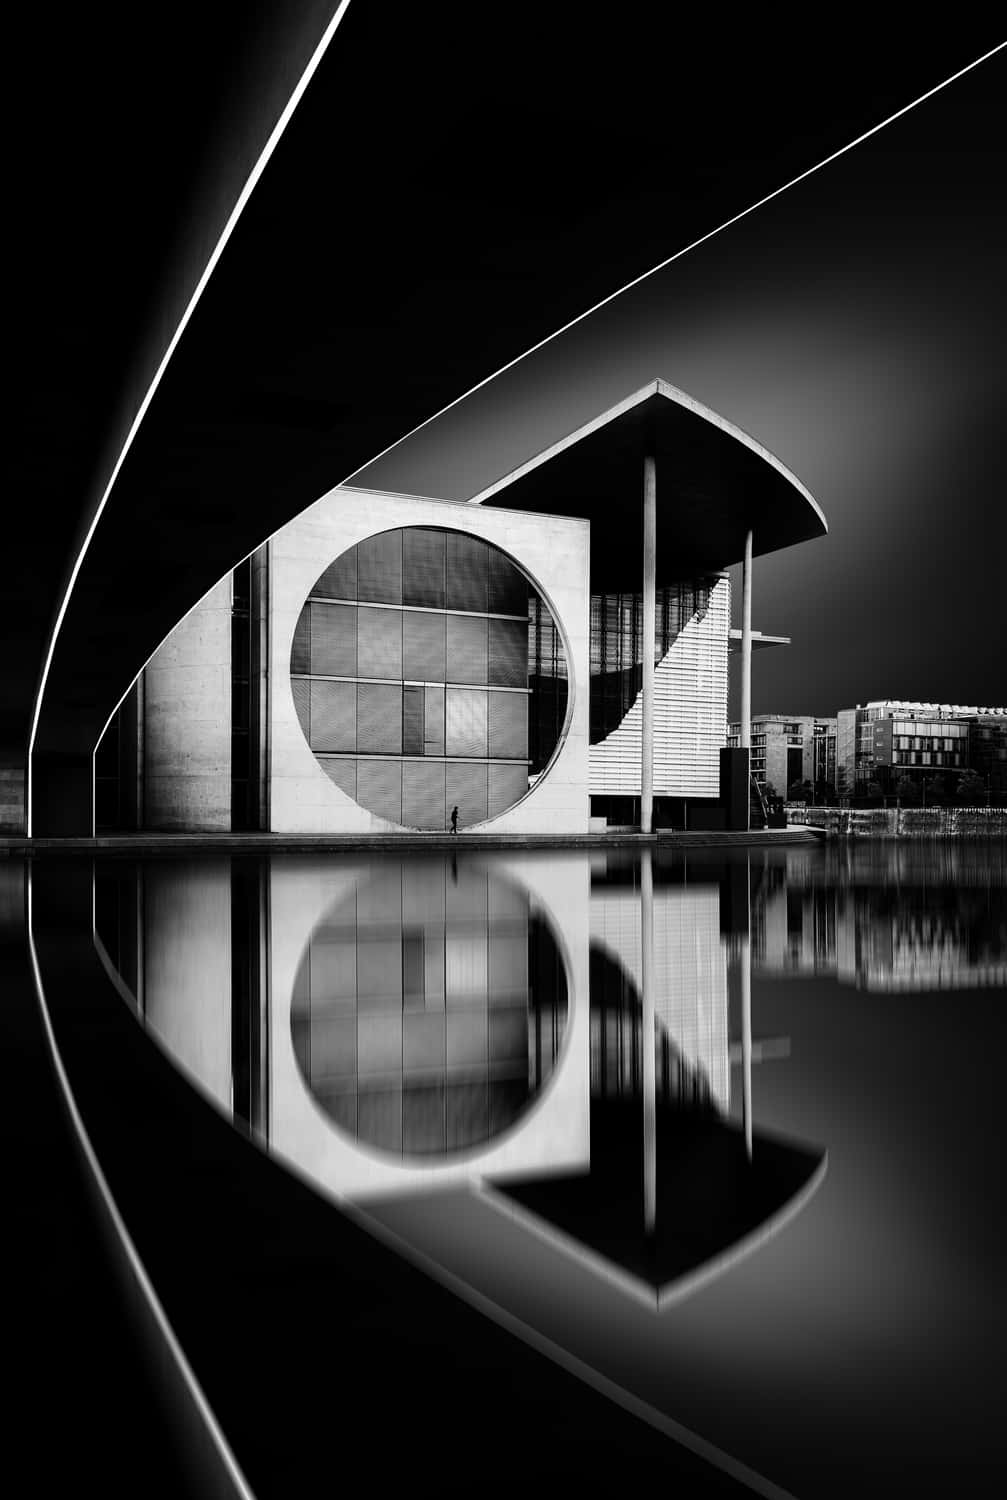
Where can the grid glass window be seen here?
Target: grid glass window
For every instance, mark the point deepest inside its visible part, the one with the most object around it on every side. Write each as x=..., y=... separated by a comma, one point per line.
x=427, y=674
x=428, y=1013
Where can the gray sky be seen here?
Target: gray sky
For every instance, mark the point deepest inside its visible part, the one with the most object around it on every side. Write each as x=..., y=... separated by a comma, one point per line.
x=855, y=326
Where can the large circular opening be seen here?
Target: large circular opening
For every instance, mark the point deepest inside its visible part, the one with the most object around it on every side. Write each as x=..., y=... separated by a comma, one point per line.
x=429, y=1008
x=428, y=674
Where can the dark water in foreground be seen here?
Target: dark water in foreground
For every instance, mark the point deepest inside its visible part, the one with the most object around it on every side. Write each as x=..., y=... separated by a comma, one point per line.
x=725, y=1132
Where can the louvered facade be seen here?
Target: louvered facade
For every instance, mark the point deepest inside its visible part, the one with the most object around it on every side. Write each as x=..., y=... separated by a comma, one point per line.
x=690, y=691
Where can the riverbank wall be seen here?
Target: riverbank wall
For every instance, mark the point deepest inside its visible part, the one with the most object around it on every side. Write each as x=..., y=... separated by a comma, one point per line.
x=903, y=822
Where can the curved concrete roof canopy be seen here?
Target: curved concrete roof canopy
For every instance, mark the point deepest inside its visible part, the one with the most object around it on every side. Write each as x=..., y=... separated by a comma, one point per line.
x=714, y=483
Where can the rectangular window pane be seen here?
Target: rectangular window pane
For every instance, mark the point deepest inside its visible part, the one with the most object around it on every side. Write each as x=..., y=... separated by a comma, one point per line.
x=466, y=654
x=333, y=640
x=423, y=1122
x=465, y=785
x=379, y=720
x=339, y=581
x=508, y=725
x=423, y=1040
x=466, y=572
x=433, y=721
x=465, y=722
x=302, y=704
x=343, y=774
x=423, y=567
x=379, y=642
x=423, y=794
x=333, y=716
x=507, y=656
x=412, y=721
x=300, y=655
x=506, y=785
x=423, y=647
x=379, y=568
x=379, y=788
x=507, y=588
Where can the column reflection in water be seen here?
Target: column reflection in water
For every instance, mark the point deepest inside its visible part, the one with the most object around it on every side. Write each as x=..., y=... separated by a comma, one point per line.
x=649, y=1043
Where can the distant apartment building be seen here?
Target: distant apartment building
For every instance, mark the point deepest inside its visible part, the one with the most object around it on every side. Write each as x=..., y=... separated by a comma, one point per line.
x=988, y=749
x=888, y=739
x=788, y=748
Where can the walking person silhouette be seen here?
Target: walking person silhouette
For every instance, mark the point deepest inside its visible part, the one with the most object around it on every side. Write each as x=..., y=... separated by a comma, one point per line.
x=454, y=820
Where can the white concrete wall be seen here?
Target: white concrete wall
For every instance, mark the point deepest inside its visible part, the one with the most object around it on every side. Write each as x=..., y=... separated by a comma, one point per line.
x=690, y=715
x=187, y=968
x=187, y=721
x=553, y=551
x=554, y=1132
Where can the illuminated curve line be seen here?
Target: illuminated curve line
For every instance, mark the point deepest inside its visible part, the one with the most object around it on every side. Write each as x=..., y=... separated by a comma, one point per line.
x=204, y=1410
x=677, y=255
x=216, y=253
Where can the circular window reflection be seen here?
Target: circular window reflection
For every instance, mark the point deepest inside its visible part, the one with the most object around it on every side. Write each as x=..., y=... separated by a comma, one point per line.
x=428, y=674
x=429, y=1008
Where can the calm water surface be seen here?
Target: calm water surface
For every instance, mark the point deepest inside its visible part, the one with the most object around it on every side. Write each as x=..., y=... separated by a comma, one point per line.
x=724, y=1132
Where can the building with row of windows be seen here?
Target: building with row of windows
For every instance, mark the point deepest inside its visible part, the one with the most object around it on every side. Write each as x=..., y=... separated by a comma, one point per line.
x=553, y=651
x=789, y=749
x=889, y=739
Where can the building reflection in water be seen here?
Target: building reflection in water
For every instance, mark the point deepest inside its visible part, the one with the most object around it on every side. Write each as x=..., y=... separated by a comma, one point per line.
x=428, y=1011
x=909, y=917
x=571, y=1033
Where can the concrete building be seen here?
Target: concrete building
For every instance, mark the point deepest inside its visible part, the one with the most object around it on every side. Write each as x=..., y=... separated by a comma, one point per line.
x=550, y=653
x=890, y=739
x=789, y=748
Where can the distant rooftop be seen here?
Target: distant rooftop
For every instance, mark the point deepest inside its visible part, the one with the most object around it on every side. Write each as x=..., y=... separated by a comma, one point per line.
x=912, y=708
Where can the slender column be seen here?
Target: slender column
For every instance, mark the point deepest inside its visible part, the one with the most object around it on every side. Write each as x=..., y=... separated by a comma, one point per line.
x=746, y=1018
x=649, y=1043
x=746, y=667
x=649, y=634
